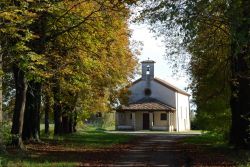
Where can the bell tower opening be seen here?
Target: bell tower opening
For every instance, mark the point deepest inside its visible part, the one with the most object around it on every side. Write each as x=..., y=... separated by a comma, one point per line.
x=147, y=69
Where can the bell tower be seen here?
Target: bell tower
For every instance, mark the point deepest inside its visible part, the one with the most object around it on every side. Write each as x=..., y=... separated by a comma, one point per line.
x=147, y=70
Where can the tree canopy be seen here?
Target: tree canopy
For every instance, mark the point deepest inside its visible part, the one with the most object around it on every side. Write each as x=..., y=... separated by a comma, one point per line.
x=76, y=54
x=216, y=34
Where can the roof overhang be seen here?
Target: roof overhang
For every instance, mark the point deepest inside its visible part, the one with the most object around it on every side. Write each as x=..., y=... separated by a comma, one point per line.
x=146, y=104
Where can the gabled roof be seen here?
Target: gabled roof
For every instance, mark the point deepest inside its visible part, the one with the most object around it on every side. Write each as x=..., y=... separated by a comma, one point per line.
x=146, y=104
x=166, y=84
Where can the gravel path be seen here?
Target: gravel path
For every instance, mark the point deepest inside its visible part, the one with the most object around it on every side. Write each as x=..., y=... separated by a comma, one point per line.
x=155, y=150
x=167, y=150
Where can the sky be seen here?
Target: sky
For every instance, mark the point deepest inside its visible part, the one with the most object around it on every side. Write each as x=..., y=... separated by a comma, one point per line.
x=154, y=49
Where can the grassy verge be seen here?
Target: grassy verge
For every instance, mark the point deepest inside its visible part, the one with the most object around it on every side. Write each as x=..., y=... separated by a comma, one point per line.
x=207, y=139
x=87, y=145
x=216, y=143
x=89, y=137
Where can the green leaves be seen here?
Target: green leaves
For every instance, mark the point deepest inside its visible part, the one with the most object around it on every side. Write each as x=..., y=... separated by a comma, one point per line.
x=202, y=29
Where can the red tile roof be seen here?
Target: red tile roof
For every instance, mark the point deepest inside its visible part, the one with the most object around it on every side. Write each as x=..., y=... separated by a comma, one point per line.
x=146, y=104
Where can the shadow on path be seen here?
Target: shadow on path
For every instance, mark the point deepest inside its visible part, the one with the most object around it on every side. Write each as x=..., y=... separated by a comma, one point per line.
x=155, y=150
x=167, y=150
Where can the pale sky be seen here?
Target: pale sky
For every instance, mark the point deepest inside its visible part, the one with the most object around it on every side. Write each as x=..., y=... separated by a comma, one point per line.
x=154, y=50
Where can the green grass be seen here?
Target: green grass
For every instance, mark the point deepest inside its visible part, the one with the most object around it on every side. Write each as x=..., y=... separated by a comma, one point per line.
x=216, y=143
x=67, y=150
x=90, y=137
x=208, y=139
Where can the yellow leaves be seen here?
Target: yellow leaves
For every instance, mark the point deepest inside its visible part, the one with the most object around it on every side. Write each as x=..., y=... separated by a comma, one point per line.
x=37, y=59
x=9, y=16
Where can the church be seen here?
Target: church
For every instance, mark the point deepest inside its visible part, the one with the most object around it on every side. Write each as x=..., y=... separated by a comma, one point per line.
x=154, y=104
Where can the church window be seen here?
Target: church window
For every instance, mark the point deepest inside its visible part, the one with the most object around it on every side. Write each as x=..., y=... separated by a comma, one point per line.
x=163, y=116
x=147, y=92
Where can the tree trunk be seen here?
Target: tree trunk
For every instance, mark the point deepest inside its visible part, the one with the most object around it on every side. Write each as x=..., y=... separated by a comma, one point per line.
x=1, y=87
x=57, y=109
x=57, y=119
x=20, y=101
x=65, y=123
x=240, y=107
x=71, y=122
x=74, y=121
x=47, y=111
x=2, y=147
x=31, y=128
x=240, y=67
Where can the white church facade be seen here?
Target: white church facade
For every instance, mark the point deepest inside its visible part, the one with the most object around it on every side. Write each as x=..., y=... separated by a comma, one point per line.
x=154, y=104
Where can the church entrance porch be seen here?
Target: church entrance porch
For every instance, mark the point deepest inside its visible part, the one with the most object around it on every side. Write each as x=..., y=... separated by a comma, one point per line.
x=145, y=120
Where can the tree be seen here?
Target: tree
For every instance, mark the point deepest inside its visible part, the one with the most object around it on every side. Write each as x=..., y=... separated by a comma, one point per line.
x=78, y=48
x=14, y=35
x=232, y=20
x=240, y=68
x=100, y=65
x=209, y=69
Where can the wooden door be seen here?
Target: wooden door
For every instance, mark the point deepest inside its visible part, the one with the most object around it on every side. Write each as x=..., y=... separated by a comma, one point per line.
x=145, y=121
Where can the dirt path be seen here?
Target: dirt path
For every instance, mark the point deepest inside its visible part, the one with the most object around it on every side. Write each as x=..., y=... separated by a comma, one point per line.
x=166, y=150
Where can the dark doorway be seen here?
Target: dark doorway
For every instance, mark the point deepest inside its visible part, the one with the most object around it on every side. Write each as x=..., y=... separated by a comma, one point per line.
x=145, y=121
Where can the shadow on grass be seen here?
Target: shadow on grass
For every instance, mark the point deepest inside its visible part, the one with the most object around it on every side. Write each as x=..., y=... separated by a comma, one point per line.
x=90, y=139
x=91, y=146
x=214, y=143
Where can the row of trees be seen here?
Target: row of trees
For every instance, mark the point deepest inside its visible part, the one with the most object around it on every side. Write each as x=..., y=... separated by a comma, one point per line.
x=69, y=56
x=216, y=34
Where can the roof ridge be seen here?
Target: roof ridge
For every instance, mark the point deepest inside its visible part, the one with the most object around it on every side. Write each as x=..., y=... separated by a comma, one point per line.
x=163, y=82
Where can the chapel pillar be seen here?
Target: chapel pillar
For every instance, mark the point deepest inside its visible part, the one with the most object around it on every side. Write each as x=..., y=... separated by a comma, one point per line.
x=151, y=120
x=133, y=121
x=169, y=122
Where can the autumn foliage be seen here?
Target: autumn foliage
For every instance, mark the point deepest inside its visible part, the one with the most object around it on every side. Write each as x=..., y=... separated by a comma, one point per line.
x=74, y=54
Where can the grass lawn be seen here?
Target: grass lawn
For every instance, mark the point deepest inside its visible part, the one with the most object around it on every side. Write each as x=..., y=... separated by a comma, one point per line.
x=206, y=139
x=89, y=146
x=215, y=144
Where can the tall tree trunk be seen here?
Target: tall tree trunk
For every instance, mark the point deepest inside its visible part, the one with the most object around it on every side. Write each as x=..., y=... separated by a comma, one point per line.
x=57, y=108
x=74, y=121
x=1, y=87
x=240, y=67
x=57, y=119
x=65, y=123
x=2, y=147
x=48, y=110
x=20, y=101
x=71, y=122
x=31, y=128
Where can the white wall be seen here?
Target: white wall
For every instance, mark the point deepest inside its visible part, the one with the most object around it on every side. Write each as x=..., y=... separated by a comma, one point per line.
x=158, y=121
x=182, y=112
x=159, y=92
x=167, y=96
x=138, y=119
x=163, y=94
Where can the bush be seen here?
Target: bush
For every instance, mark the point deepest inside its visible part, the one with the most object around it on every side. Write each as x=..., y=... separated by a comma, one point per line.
x=5, y=135
x=107, y=120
